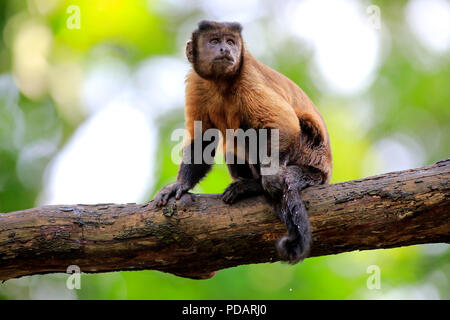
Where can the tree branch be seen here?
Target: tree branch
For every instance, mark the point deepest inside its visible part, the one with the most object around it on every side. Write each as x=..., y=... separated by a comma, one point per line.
x=199, y=234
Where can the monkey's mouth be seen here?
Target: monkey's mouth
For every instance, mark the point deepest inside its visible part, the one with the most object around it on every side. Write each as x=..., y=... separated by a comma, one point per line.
x=224, y=59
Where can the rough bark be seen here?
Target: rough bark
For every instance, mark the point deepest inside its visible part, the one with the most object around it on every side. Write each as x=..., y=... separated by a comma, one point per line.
x=199, y=234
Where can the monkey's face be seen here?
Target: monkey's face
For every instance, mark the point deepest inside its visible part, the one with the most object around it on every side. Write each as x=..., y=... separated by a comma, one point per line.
x=216, y=54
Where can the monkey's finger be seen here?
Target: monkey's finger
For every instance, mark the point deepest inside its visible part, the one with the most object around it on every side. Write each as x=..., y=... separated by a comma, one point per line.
x=227, y=200
x=224, y=196
x=179, y=193
x=159, y=202
x=165, y=197
x=162, y=197
x=157, y=199
x=228, y=197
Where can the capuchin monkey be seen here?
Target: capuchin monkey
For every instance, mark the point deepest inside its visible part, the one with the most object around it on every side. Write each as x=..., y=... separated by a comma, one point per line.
x=228, y=88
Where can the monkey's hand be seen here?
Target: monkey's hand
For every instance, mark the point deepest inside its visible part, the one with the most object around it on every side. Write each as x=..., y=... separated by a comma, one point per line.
x=177, y=189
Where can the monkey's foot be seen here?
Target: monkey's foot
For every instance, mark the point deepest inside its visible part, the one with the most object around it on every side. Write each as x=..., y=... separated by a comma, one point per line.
x=241, y=189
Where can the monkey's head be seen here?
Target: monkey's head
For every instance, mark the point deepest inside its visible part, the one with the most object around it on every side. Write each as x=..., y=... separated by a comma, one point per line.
x=215, y=49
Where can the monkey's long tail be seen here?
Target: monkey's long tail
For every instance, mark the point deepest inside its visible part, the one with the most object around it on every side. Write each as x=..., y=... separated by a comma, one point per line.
x=292, y=211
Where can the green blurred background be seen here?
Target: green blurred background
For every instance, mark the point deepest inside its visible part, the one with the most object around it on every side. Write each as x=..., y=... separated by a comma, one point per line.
x=91, y=91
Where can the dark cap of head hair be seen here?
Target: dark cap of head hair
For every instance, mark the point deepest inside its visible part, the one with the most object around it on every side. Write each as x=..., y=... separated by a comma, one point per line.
x=206, y=25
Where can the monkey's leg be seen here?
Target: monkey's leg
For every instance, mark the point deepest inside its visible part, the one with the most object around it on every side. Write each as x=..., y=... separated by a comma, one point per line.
x=295, y=247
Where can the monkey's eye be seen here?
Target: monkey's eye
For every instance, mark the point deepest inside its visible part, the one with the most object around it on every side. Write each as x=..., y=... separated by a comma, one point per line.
x=230, y=42
x=214, y=41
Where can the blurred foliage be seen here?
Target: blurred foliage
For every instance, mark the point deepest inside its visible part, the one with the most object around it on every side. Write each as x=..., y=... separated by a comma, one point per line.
x=408, y=101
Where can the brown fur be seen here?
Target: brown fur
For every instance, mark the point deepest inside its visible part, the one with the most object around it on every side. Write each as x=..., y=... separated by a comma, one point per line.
x=229, y=89
x=262, y=98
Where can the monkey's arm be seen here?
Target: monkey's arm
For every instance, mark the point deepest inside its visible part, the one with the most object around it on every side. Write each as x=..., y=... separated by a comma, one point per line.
x=189, y=174
x=193, y=165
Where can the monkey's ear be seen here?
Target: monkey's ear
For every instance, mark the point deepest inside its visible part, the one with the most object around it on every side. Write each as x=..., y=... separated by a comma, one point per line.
x=190, y=51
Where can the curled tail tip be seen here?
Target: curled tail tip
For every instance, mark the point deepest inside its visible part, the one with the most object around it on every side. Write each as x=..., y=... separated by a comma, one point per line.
x=293, y=251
